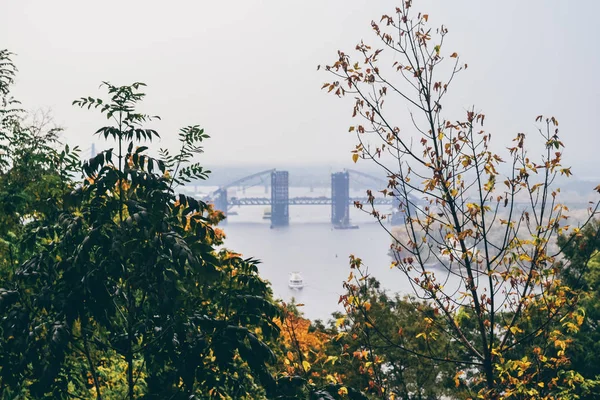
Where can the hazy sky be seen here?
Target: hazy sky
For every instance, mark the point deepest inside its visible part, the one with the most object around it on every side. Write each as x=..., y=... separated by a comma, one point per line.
x=246, y=70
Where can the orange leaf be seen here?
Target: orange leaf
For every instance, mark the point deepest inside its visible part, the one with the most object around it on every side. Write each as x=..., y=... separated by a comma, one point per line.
x=454, y=55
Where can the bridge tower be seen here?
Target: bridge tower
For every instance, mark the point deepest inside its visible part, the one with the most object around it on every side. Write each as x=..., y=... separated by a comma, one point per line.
x=397, y=217
x=221, y=201
x=280, y=215
x=340, y=198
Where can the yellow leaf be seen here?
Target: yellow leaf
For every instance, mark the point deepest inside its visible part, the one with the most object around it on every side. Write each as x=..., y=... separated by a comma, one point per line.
x=343, y=391
x=524, y=257
x=333, y=359
x=306, y=365
x=457, y=378
x=514, y=330
x=340, y=321
x=355, y=157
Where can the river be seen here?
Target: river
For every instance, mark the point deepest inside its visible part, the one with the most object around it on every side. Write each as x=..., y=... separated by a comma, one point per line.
x=312, y=247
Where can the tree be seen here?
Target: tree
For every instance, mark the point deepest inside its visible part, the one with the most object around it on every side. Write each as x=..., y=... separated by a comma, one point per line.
x=35, y=172
x=312, y=360
x=474, y=242
x=126, y=284
x=583, y=272
x=371, y=329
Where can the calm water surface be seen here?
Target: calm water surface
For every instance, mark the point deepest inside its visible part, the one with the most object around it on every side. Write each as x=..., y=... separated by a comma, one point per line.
x=311, y=246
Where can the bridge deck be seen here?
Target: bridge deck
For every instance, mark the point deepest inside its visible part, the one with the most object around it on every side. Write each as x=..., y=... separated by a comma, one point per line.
x=307, y=201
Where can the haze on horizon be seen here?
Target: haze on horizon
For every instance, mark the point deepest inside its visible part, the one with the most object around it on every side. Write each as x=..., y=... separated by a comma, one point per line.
x=246, y=70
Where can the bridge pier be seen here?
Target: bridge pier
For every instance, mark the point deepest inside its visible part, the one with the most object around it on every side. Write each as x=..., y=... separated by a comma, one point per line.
x=280, y=215
x=221, y=201
x=397, y=217
x=340, y=198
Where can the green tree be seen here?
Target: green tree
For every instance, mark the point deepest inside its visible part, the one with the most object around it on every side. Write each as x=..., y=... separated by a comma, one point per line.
x=128, y=278
x=582, y=250
x=35, y=173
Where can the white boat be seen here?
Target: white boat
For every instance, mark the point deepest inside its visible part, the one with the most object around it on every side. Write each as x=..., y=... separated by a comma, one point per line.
x=296, y=281
x=267, y=213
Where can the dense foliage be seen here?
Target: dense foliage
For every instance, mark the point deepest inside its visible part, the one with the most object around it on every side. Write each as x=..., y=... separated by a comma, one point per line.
x=123, y=274
x=113, y=285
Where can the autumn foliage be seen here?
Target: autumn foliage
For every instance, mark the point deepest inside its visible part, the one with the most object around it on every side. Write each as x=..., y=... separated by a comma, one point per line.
x=478, y=243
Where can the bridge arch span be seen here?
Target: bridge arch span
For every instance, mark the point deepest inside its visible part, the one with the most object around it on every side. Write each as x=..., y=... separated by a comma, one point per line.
x=340, y=199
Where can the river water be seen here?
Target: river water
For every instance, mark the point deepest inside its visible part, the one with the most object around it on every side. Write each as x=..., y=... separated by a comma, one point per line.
x=312, y=247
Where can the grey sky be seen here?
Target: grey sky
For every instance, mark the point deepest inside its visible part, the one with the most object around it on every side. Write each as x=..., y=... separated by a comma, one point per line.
x=246, y=70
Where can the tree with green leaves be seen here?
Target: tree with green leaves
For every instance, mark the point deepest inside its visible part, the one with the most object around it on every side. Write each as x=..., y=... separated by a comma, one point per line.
x=581, y=270
x=474, y=242
x=35, y=168
x=128, y=278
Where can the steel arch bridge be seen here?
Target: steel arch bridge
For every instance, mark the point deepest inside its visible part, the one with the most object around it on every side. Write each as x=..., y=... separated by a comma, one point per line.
x=340, y=200
x=303, y=201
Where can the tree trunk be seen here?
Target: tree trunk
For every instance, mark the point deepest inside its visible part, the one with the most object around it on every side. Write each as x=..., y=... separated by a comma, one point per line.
x=489, y=377
x=88, y=356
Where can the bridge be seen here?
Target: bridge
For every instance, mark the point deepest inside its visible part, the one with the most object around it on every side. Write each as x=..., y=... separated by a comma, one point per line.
x=280, y=201
x=303, y=201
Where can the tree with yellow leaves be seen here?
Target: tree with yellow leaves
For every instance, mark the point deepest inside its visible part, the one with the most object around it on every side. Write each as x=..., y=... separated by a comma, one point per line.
x=381, y=334
x=478, y=246
x=313, y=361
